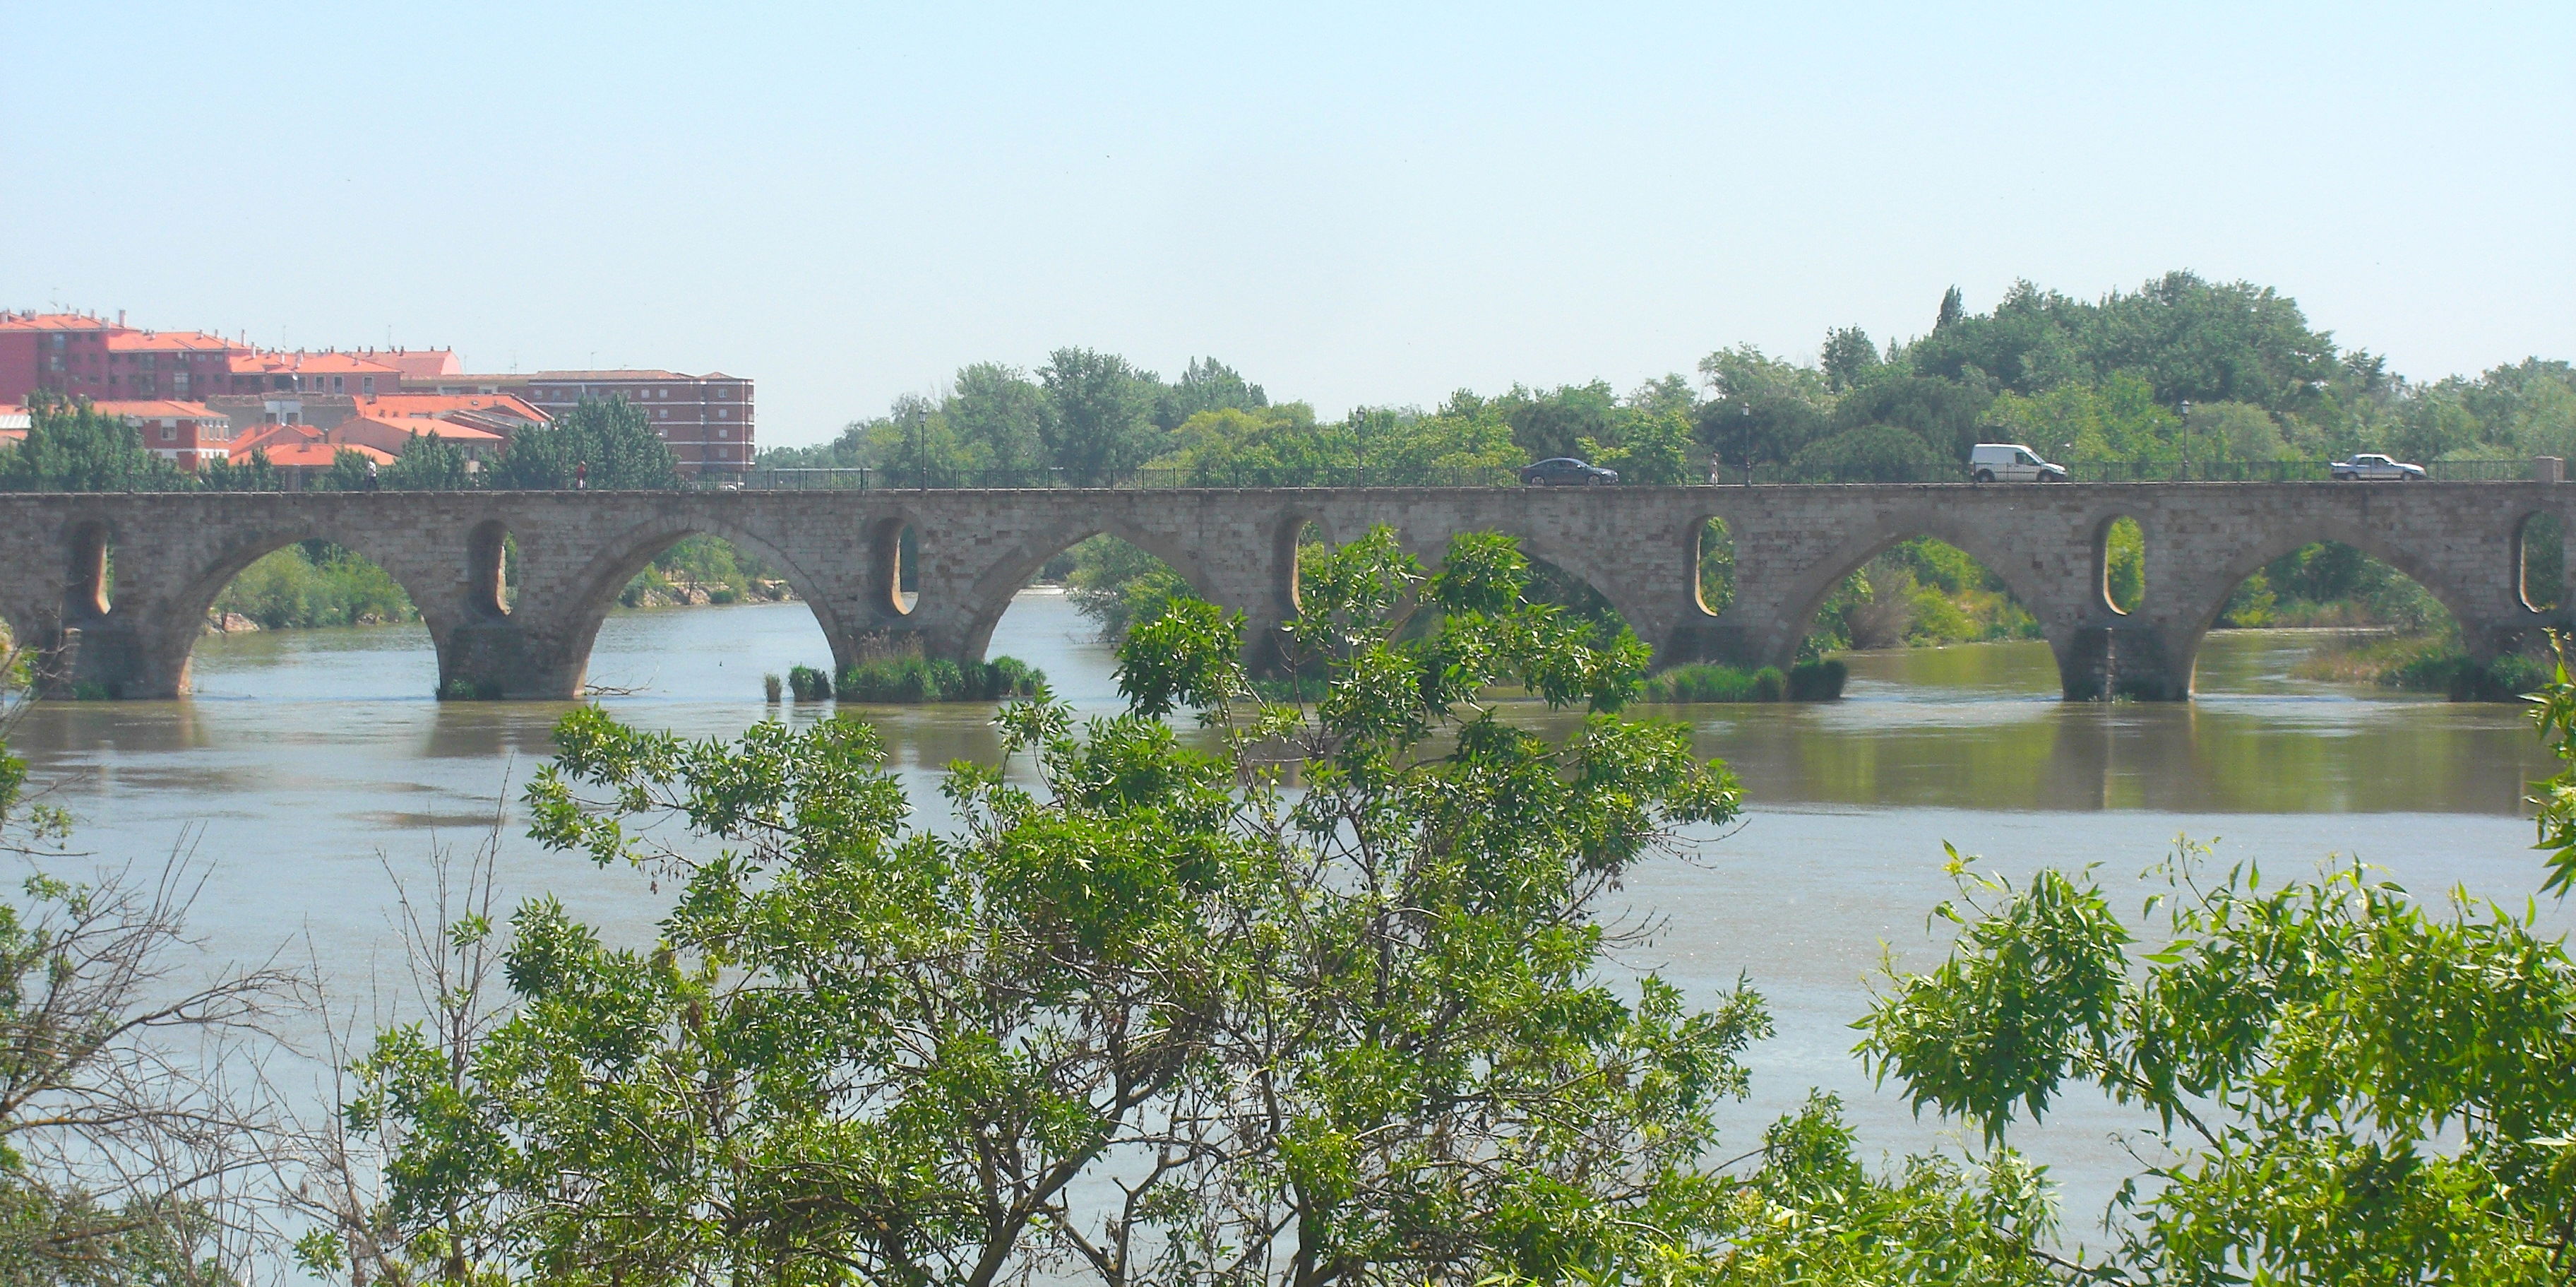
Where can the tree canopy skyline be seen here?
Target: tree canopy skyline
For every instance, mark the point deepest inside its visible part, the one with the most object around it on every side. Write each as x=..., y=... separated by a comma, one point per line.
x=2180, y=368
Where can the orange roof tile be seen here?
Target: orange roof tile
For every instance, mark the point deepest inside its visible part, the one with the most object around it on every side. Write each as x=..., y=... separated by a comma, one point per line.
x=308, y=455
x=53, y=322
x=418, y=362
x=167, y=341
x=425, y=427
x=431, y=404
x=311, y=363
x=163, y=407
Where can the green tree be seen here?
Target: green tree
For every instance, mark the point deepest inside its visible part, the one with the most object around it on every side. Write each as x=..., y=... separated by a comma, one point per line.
x=1207, y=385
x=1002, y=412
x=1099, y=420
x=1848, y=355
x=429, y=464
x=351, y=471
x=1648, y=449
x=70, y=447
x=1147, y=1017
x=1554, y=422
x=1764, y=411
x=604, y=443
x=251, y=473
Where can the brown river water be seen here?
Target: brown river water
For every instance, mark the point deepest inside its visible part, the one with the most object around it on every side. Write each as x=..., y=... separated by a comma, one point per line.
x=312, y=762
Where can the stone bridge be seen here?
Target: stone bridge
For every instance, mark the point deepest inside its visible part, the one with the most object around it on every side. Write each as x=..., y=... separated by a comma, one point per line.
x=111, y=591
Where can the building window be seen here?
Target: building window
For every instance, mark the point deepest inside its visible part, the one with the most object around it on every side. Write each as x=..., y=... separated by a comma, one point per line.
x=367, y=384
x=169, y=433
x=339, y=384
x=724, y=433
x=721, y=413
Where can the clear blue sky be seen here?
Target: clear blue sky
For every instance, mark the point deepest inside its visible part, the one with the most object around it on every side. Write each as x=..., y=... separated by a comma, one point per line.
x=1350, y=205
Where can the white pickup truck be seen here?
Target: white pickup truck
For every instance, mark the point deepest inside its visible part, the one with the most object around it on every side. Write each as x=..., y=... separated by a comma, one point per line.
x=2366, y=466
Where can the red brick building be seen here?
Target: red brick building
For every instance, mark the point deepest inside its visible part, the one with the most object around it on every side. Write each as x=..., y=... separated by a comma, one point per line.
x=90, y=357
x=188, y=433
x=706, y=418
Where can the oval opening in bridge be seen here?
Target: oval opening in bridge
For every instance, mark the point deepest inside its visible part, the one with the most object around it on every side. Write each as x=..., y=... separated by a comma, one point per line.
x=491, y=566
x=1713, y=560
x=89, y=584
x=2328, y=614
x=903, y=571
x=2540, y=562
x=1307, y=544
x=2123, y=559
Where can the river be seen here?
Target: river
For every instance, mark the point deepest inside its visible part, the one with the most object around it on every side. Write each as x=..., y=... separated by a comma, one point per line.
x=311, y=764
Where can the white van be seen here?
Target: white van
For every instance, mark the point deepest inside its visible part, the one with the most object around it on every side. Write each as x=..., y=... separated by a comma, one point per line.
x=2011, y=462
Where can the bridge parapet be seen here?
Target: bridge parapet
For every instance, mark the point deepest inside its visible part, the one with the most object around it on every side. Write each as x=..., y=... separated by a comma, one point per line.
x=111, y=590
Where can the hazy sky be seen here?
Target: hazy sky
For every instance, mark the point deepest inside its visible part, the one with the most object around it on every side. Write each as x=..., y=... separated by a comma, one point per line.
x=1349, y=205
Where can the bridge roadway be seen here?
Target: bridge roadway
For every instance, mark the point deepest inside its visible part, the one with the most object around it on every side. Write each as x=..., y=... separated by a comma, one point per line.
x=171, y=555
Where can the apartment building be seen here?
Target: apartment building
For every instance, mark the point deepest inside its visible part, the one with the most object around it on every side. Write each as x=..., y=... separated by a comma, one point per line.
x=707, y=419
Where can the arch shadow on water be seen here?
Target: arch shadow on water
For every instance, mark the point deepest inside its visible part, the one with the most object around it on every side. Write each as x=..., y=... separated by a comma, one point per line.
x=2325, y=619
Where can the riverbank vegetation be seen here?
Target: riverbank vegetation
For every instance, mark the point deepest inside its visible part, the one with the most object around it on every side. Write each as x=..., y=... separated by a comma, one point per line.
x=312, y=583
x=900, y=675
x=1808, y=681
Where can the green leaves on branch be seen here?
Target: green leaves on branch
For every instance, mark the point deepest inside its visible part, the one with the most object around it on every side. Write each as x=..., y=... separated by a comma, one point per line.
x=1141, y=1015
x=2346, y=1088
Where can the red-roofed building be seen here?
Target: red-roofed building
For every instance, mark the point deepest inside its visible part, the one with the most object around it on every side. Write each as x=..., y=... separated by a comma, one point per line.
x=705, y=418
x=90, y=357
x=188, y=433
x=339, y=373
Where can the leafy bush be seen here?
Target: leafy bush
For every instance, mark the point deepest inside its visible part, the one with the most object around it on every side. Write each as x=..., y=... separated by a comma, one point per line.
x=1818, y=681
x=908, y=677
x=1805, y=682
x=809, y=684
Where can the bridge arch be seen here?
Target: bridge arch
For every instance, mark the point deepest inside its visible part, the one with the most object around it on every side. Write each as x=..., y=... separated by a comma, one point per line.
x=169, y=638
x=2218, y=584
x=1819, y=582
x=581, y=602
x=989, y=591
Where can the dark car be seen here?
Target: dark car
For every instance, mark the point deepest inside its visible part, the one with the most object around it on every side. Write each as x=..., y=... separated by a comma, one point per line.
x=1566, y=471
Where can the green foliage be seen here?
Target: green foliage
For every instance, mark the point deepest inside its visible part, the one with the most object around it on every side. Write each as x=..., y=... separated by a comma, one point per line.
x=1712, y=683
x=702, y=567
x=1810, y=681
x=351, y=471
x=252, y=473
x=1354, y=1032
x=1818, y=681
x=907, y=677
x=429, y=464
x=605, y=444
x=2333, y=584
x=70, y=447
x=1098, y=418
x=2341, y=1086
x=2124, y=564
x=809, y=684
x=1921, y=592
x=1120, y=586
x=315, y=583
